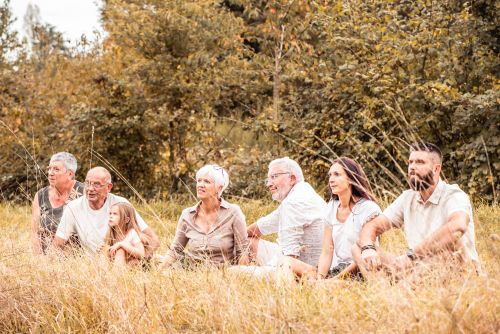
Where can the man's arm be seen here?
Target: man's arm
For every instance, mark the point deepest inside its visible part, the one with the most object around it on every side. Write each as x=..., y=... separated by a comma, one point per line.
x=253, y=231
x=65, y=229
x=447, y=237
x=372, y=229
x=36, y=243
x=265, y=225
x=369, y=233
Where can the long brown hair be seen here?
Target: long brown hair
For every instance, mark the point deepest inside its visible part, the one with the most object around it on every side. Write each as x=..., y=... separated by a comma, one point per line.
x=359, y=182
x=126, y=212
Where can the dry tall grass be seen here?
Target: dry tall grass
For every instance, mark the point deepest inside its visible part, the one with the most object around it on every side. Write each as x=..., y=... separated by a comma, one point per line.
x=82, y=294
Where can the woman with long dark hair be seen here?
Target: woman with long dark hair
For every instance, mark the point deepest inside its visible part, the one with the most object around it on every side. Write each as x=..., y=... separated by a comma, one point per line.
x=350, y=207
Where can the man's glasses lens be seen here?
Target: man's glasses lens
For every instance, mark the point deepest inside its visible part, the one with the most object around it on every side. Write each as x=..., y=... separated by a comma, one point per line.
x=96, y=185
x=273, y=177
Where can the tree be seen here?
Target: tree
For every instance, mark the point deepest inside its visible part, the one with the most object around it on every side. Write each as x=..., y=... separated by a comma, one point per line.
x=8, y=38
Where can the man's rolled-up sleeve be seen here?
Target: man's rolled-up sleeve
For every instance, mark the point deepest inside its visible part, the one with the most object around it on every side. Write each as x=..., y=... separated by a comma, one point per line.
x=269, y=224
x=395, y=212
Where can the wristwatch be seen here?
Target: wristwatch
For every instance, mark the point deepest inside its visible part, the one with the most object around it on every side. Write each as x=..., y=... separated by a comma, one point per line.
x=411, y=254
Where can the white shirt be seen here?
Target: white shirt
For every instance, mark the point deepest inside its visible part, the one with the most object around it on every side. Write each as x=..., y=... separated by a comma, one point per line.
x=345, y=235
x=132, y=237
x=299, y=222
x=90, y=225
x=421, y=219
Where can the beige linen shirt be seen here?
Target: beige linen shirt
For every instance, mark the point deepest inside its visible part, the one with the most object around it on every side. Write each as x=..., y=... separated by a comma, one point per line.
x=226, y=241
x=420, y=219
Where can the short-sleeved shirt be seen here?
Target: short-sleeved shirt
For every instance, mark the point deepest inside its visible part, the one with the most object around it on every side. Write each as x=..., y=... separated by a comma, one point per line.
x=90, y=225
x=299, y=222
x=225, y=242
x=345, y=235
x=420, y=219
x=50, y=216
x=132, y=237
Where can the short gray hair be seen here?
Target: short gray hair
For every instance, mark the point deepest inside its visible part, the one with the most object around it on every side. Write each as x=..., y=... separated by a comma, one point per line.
x=289, y=165
x=217, y=173
x=67, y=159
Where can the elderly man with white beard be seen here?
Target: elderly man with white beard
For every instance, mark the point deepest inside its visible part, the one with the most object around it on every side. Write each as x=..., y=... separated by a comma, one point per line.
x=436, y=217
x=299, y=219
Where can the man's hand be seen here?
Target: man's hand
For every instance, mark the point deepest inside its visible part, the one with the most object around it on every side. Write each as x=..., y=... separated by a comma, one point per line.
x=402, y=263
x=371, y=258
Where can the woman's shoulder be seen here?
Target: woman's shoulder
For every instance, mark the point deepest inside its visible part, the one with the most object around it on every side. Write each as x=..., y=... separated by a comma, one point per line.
x=230, y=206
x=368, y=205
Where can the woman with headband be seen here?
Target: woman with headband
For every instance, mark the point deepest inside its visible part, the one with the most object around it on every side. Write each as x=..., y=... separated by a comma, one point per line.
x=214, y=229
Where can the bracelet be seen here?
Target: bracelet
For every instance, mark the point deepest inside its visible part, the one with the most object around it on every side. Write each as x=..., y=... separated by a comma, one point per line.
x=369, y=246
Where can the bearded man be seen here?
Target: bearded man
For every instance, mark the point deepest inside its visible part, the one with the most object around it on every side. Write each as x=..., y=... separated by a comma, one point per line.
x=298, y=220
x=436, y=217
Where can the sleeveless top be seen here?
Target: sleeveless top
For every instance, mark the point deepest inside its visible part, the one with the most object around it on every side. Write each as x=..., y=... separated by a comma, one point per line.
x=49, y=216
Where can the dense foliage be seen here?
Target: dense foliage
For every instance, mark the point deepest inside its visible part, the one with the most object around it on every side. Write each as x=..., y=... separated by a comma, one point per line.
x=176, y=84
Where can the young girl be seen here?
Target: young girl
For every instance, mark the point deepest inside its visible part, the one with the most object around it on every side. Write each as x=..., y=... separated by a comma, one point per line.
x=123, y=243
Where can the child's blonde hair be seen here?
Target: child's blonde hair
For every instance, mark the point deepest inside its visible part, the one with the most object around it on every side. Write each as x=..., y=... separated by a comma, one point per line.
x=126, y=212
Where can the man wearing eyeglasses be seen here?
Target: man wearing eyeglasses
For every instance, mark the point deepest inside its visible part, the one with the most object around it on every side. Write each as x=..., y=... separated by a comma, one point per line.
x=298, y=220
x=87, y=216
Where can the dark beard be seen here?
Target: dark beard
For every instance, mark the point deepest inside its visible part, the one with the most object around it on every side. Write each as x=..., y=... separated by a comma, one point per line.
x=421, y=183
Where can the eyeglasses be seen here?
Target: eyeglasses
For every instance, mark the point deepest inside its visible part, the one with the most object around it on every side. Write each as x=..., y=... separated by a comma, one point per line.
x=96, y=185
x=273, y=177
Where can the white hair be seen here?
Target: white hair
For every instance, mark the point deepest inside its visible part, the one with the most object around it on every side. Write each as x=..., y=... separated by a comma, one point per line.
x=289, y=165
x=68, y=160
x=217, y=173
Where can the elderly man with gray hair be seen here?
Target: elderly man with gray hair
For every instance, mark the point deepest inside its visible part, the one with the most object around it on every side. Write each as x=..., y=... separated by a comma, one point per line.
x=298, y=220
x=49, y=202
x=88, y=216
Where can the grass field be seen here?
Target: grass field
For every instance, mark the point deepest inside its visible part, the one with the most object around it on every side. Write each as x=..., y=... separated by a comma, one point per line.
x=87, y=295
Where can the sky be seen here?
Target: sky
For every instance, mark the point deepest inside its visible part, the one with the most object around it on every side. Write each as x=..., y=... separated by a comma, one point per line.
x=71, y=17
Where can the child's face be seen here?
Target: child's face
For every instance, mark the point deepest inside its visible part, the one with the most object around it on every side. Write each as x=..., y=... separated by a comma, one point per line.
x=114, y=216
